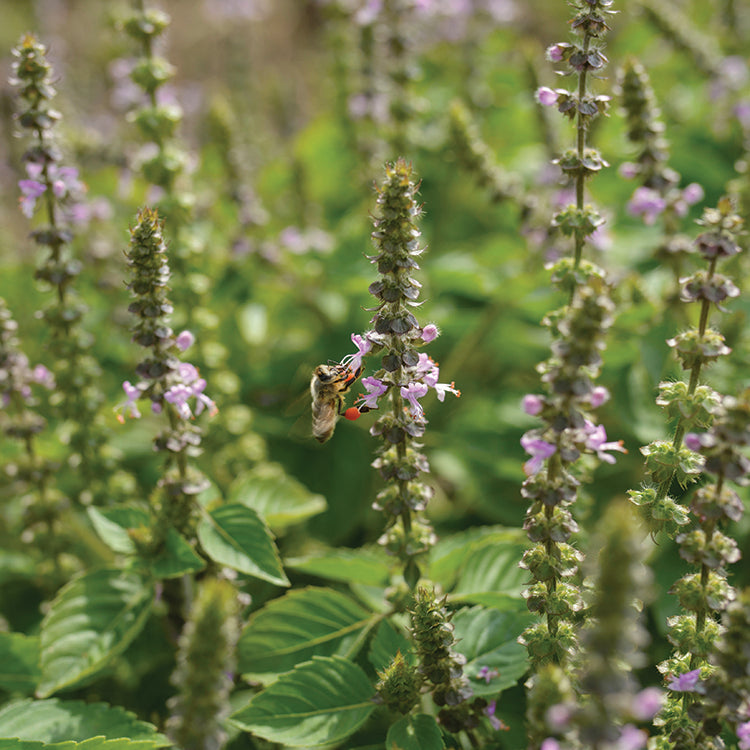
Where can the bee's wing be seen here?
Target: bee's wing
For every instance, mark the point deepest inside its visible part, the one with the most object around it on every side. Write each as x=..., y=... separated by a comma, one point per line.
x=299, y=406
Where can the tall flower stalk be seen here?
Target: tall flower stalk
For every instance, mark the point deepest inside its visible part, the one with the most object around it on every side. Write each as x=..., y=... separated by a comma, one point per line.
x=52, y=192
x=694, y=406
x=162, y=159
x=566, y=407
x=405, y=376
x=172, y=387
x=610, y=703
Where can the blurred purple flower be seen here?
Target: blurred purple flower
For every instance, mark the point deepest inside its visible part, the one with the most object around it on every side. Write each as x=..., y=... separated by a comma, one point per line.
x=685, y=683
x=30, y=191
x=43, y=376
x=430, y=332
x=532, y=404
x=631, y=738
x=556, y=52
x=693, y=441
x=599, y=395
x=546, y=96
x=647, y=203
x=129, y=406
x=647, y=703
x=489, y=711
x=743, y=735
x=184, y=340
x=539, y=450
x=487, y=674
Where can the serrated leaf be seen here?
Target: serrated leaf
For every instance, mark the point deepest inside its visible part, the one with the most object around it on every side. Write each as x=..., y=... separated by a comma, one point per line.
x=235, y=535
x=91, y=620
x=55, y=720
x=351, y=566
x=489, y=638
x=275, y=496
x=176, y=558
x=112, y=524
x=19, y=662
x=388, y=641
x=492, y=567
x=296, y=627
x=320, y=702
x=415, y=732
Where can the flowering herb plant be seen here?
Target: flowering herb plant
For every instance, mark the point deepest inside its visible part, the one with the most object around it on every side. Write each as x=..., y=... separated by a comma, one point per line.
x=552, y=561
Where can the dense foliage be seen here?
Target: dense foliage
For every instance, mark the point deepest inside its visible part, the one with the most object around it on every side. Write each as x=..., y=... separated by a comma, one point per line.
x=506, y=241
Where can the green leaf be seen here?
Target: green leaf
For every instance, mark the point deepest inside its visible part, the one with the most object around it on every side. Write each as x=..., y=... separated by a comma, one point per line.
x=95, y=743
x=112, y=524
x=451, y=553
x=235, y=535
x=351, y=566
x=296, y=627
x=488, y=638
x=91, y=620
x=415, y=732
x=386, y=644
x=491, y=568
x=321, y=701
x=176, y=558
x=19, y=659
x=275, y=496
x=55, y=720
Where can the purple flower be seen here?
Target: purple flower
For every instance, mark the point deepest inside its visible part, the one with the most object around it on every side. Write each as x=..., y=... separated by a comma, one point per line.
x=550, y=744
x=184, y=340
x=30, y=191
x=429, y=333
x=129, y=406
x=43, y=376
x=532, y=404
x=558, y=717
x=487, y=674
x=685, y=683
x=539, y=450
x=192, y=386
x=599, y=395
x=693, y=193
x=647, y=203
x=743, y=735
x=363, y=344
x=427, y=369
x=596, y=441
x=647, y=703
x=556, y=52
x=375, y=389
x=631, y=738
x=368, y=13
x=629, y=170
x=546, y=96
x=490, y=713
x=693, y=441
x=411, y=393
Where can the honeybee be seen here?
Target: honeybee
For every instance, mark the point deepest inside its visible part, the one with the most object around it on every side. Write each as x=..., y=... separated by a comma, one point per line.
x=328, y=386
